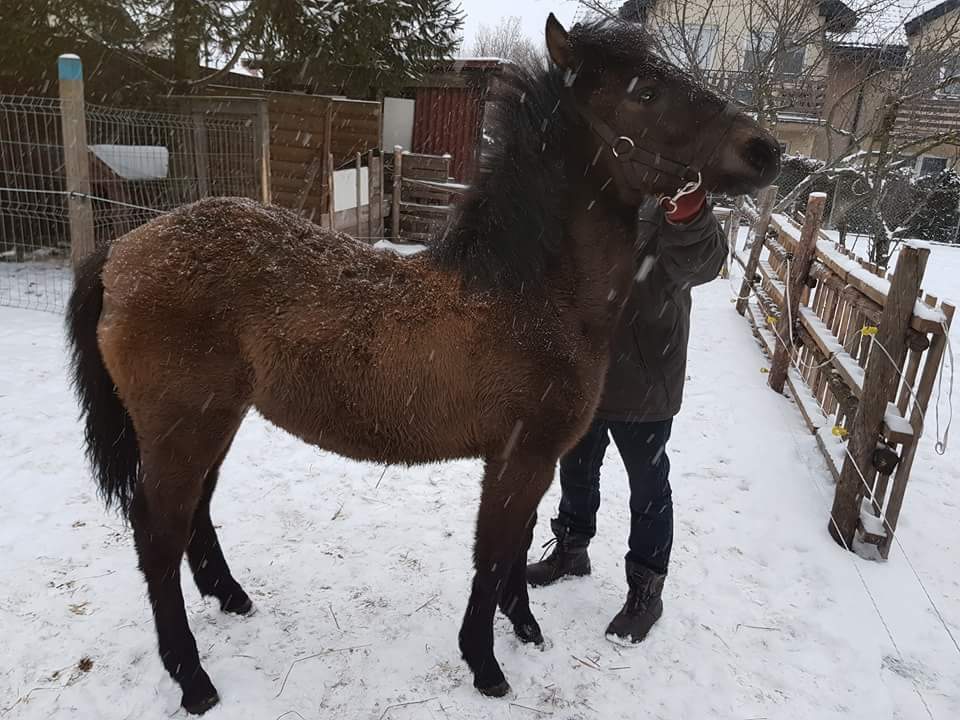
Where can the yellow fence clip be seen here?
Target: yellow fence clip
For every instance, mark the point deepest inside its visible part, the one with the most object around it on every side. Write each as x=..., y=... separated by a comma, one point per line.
x=869, y=330
x=840, y=432
x=771, y=320
x=764, y=370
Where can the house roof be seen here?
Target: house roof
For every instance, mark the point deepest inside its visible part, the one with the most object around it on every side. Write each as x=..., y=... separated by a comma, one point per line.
x=879, y=23
x=935, y=10
x=882, y=23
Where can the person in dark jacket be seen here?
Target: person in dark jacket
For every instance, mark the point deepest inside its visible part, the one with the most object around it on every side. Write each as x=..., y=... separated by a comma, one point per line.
x=643, y=392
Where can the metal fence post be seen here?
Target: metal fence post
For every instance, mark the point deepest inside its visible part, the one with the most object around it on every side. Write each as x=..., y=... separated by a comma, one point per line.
x=73, y=118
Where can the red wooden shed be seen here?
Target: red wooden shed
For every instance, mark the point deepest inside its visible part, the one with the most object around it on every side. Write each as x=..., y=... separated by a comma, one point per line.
x=448, y=118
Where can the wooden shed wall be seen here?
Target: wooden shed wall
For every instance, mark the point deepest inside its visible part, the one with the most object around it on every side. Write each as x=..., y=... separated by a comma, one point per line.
x=304, y=130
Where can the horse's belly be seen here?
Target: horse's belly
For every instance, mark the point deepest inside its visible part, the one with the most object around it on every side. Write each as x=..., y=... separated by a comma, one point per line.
x=392, y=419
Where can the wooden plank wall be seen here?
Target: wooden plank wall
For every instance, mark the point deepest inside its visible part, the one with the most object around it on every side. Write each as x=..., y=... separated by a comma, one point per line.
x=423, y=209
x=304, y=131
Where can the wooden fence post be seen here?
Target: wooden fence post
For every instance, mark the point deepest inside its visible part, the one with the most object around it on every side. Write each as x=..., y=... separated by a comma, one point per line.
x=73, y=121
x=359, y=186
x=332, y=190
x=375, y=194
x=795, y=283
x=924, y=390
x=731, y=229
x=878, y=386
x=767, y=199
x=371, y=195
x=397, y=188
x=380, y=230
x=261, y=151
x=326, y=191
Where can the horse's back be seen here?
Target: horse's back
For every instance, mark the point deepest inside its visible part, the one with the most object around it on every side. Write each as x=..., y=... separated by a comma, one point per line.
x=357, y=350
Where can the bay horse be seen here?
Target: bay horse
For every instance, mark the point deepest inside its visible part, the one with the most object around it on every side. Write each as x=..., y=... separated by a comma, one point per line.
x=493, y=344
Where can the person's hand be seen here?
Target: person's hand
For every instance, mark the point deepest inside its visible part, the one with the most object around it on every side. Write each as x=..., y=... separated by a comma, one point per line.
x=686, y=207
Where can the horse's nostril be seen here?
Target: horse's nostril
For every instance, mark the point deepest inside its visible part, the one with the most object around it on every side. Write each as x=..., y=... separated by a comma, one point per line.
x=762, y=154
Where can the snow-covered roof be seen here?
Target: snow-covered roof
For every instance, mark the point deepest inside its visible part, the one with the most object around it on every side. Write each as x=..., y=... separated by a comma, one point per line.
x=134, y=162
x=935, y=9
x=881, y=22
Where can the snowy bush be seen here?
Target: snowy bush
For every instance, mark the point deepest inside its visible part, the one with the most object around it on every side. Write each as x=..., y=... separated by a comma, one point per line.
x=936, y=198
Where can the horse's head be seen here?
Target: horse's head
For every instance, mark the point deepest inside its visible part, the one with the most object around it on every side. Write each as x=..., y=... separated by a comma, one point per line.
x=657, y=129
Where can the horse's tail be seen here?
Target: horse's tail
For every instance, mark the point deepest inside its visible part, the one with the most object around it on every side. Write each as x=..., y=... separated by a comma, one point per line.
x=110, y=438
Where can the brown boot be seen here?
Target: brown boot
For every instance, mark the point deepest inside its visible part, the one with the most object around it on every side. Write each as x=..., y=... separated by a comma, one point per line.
x=644, y=605
x=568, y=558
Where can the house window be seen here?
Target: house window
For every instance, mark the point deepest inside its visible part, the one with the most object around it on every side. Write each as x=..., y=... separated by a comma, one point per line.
x=931, y=165
x=791, y=62
x=690, y=45
x=951, y=69
x=743, y=93
x=760, y=51
x=756, y=53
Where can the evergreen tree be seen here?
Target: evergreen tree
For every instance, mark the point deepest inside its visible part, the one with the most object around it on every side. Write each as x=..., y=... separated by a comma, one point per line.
x=349, y=45
x=360, y=47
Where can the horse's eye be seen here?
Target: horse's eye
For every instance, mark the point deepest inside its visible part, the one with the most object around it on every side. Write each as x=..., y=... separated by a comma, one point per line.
x=646, y=95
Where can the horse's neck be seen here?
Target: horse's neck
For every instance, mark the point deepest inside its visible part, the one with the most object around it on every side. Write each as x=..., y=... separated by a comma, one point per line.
x=600, y=247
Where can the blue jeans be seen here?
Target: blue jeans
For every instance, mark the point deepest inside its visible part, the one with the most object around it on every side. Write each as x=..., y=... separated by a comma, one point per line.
x=643, y=448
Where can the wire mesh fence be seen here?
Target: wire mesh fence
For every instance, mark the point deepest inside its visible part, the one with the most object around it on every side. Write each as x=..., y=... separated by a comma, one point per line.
x=905, y=205
x=140, y=164
x=33, y=220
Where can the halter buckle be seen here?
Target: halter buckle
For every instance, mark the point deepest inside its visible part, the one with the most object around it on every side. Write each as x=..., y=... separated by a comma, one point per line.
x=623, y=147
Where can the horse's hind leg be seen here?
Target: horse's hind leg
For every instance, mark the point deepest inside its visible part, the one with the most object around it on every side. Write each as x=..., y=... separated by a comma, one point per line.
x=210, y=570
x=176, y=455
x=511, y=493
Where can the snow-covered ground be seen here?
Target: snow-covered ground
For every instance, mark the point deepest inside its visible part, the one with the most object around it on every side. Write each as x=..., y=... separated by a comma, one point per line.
x=360, y=576
x=37, y=284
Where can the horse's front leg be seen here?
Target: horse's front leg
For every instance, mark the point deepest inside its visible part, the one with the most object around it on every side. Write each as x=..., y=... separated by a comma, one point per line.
x=515, y=600
x=512, y=489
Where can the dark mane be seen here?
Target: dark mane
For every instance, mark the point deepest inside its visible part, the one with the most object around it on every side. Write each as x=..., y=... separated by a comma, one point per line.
x=508, y=231
x=508, y=228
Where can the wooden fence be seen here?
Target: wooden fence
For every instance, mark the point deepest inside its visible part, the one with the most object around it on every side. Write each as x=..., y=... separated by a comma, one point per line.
x=363, y=215
x=423, y=195
x=312, y=136
x=859, y=353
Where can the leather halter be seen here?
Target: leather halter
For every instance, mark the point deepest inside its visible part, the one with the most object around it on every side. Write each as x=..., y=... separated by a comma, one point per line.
x=637, y=161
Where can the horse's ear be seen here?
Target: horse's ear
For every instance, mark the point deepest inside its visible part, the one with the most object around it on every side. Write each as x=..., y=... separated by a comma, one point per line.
x=558, y=43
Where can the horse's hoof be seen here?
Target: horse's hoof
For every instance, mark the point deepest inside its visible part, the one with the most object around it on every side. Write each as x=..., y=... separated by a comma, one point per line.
x=242, y=605
x=199, y=705
x=498, y=690
x=529, y=633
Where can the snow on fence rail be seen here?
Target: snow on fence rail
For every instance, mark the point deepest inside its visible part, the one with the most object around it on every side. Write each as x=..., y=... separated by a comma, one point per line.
x=859, y=352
